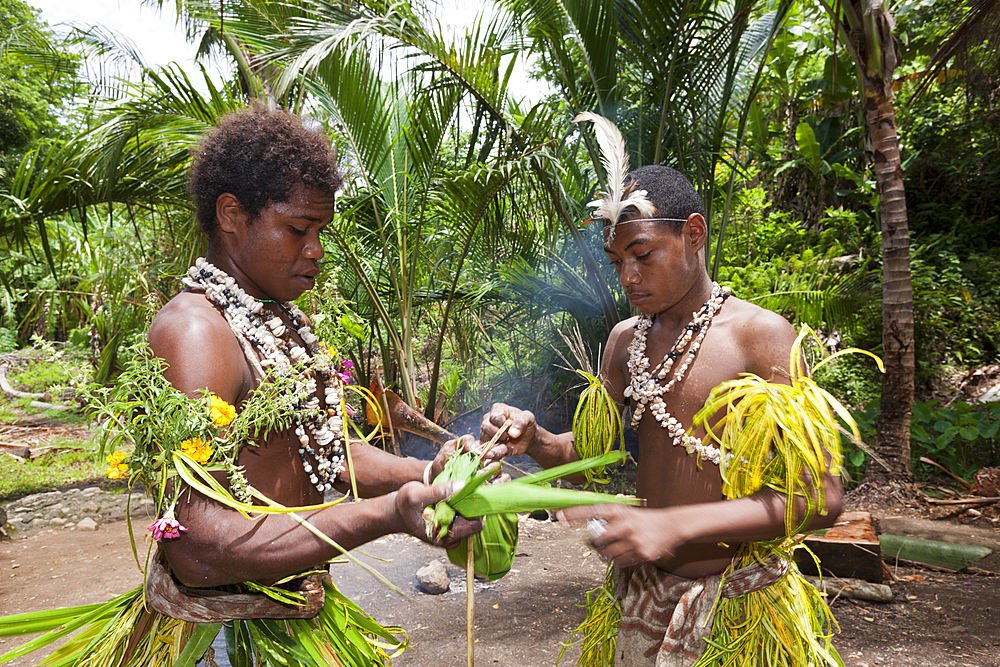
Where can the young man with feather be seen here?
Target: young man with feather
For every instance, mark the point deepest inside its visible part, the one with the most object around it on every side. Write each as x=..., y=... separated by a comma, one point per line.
x=694, y=537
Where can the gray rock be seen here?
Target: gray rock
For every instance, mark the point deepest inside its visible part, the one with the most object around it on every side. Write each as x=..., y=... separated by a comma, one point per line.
x=57, y=521
x=90, y=491
x=41, y=500
x=87, y=524
x=434, y=578
x=89, y=508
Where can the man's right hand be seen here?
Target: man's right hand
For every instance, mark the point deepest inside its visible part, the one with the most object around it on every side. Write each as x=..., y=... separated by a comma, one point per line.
x=521, y=434
x=412, y=498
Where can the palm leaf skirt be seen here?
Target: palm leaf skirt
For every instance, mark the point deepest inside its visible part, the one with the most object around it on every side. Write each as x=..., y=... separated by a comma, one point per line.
x=341, y=635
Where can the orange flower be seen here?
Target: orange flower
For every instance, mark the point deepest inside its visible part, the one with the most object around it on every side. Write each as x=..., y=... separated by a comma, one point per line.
x=220, y=412
x=198, y=450
x=117, y=465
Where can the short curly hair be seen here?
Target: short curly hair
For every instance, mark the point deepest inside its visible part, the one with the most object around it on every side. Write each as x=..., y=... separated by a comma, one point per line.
x=670, y=192
x=258, y=155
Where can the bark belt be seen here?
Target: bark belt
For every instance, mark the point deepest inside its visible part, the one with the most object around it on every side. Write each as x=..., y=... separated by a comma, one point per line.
x=206, y=605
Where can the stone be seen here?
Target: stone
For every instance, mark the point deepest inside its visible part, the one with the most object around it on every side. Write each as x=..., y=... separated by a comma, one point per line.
x=89, y=508
x=57, y=521
x=87, y=525
x=434, y=578
x=90, y=491
x=41, y=500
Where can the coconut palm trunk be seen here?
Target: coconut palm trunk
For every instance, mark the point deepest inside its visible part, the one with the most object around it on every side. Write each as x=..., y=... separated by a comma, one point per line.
x=892, y=437
x=866, y=27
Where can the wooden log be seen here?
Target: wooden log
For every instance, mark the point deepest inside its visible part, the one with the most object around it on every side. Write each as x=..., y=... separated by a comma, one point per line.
x=964, y=501
x=22, y=453
x=856, y=589
x=848, y=550
x=14, y=393
x=48, y=406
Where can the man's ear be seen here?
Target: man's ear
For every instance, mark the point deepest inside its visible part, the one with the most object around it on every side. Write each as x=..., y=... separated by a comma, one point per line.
x=228, y=212
x=696, y=230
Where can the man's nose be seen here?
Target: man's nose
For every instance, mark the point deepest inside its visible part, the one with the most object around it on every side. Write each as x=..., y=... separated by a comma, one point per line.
x=314, y=248
x=629, y=274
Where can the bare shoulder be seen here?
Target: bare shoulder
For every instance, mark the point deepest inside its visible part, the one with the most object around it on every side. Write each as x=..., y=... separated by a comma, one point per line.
x=764, y=336
x=201, y=351
x=614, y=364
x=618, y=341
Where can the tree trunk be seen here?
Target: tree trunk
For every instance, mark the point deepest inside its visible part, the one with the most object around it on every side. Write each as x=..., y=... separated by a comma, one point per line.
x=892, y=437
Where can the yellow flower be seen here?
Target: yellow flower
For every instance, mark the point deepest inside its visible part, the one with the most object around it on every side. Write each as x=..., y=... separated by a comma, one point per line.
x=117, y=465
x=220, y=412
x=198, y=450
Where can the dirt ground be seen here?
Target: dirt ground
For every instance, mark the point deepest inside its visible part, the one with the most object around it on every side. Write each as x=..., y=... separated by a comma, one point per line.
x=935, y=619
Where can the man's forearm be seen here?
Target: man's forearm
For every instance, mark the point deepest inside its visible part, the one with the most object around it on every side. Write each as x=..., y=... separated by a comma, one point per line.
x=221, y=547
x=550, y=450
x=755, y=518
x=377, y=472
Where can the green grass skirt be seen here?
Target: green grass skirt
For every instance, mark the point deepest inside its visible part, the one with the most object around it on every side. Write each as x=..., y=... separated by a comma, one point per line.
x=123, y=633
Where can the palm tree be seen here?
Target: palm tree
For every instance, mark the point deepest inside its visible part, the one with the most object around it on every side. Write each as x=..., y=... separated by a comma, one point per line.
x=866, y=29
x=678, y=78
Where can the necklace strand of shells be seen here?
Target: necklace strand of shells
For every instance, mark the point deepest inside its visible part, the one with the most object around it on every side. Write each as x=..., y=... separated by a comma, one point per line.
x=645, y=387
x=283, y=356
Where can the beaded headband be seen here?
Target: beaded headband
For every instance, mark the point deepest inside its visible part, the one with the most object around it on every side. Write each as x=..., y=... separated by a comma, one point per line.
x=614, y=157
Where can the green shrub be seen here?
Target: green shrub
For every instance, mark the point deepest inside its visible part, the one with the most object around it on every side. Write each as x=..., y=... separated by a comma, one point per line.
x=49, y=367
x=962, y=437
x=8, y=340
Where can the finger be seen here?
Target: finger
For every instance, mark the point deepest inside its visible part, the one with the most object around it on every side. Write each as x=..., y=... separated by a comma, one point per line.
x=459, y=530
x=450, y=446
x=496, y=453
x=581, y=513
x=442, y=491
x=520, y=426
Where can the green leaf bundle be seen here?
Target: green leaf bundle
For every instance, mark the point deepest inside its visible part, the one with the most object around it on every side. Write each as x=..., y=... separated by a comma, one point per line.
x=498, y=503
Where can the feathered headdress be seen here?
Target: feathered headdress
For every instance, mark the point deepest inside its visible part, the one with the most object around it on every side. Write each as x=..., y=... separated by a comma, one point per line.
x=614, y=157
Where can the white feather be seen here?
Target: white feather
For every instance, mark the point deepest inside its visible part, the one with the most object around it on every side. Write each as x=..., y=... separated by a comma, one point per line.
x=614, y=157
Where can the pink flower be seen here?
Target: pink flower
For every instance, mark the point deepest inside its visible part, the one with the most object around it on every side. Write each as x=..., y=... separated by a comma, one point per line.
x=167, y=528
x=345, y=370
x=349, y=409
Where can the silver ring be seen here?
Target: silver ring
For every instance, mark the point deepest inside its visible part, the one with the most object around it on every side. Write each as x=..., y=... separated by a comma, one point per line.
x=596, y=528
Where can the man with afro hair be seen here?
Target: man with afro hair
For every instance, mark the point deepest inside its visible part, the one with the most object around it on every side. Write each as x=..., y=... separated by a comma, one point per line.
x=263, y=184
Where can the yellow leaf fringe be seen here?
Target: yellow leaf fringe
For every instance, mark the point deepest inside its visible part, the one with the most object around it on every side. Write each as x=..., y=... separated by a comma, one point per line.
x=783, y=437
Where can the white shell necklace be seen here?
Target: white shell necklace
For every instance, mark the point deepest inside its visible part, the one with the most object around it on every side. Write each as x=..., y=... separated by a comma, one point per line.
x=644, y=386
x=284, y=356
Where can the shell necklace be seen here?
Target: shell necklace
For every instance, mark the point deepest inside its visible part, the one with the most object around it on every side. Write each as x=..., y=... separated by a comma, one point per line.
x=644, y=386
x=260, y=331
